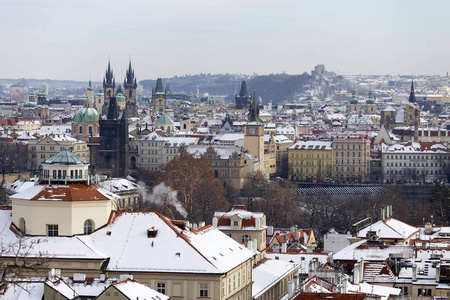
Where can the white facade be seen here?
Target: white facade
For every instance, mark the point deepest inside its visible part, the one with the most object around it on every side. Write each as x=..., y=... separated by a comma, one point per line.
x=415, y=163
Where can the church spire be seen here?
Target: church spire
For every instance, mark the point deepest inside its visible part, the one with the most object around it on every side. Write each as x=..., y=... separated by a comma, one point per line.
x=130, y=80
x=109, y=80
x=412, y=96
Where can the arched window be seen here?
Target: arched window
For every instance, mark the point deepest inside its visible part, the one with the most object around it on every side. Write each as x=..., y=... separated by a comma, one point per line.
x=246, y=238
x=22, y=225
x=88, y=227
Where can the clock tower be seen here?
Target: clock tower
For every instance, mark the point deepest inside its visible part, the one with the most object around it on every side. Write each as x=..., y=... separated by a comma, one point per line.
x=254, y=134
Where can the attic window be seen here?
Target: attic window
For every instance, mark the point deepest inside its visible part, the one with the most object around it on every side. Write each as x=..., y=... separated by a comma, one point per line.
x=108, y=233
x=152, y=232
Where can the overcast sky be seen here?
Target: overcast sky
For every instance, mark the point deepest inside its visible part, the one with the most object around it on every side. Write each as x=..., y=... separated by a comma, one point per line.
x=72, y=39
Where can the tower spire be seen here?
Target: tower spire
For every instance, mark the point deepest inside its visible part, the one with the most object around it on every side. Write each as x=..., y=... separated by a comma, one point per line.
x=412, y=96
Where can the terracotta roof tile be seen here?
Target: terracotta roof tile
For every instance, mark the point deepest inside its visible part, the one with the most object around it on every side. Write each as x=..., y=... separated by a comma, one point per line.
x=71, y=192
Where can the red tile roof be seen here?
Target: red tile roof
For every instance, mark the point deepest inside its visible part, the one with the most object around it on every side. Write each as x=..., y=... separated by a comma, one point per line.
x=70, y=192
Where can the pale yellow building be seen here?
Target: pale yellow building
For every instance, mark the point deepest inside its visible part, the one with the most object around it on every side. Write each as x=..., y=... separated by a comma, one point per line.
x=47, y=146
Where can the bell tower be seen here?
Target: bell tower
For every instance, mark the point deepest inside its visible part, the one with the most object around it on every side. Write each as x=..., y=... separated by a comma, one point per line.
x=254, y=134
x=159, y=97
x=130, y=85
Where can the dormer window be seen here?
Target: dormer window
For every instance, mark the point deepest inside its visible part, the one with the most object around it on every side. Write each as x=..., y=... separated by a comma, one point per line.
x=152, y=232
x=236, y=223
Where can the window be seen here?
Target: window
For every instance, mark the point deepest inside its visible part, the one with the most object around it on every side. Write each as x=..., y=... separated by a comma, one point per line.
x=404, y=290
x=87, y=227
x=246, y=238
x=42, y=147
x=161, y=287
x=236, y=223
x=52, y=230
x=203, y=290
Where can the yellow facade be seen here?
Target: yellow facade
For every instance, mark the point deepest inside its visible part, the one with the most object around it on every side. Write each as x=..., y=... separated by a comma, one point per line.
x=310, y=160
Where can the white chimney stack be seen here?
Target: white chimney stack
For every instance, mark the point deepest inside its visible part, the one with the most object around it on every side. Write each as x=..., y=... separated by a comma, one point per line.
x=356, y=274
x=283, y=247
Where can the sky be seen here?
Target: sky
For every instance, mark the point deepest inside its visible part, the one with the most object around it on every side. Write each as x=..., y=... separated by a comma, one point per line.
x=74, y=39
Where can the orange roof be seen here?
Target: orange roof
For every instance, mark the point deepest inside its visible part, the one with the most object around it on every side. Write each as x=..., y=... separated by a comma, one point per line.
x=71, y=192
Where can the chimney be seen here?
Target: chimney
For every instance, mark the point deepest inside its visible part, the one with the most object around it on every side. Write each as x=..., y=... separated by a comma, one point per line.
x=201, y=224
x=250, y=245
x=297, y=235
x=214, y=222
x=258, y=223
x=361, y=269
x=283, y=247
x=290, y=289
x=255, y=246
x=356, y=274
x=428, y=228
x=270, y=230
x=414, y=272
x=438, y=272
x=345, y=286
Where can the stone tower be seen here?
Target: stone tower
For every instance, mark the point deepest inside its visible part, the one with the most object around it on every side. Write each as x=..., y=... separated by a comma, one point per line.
x=90, y=94
x=159, y=97
x=109, y=84
x=243, y=99
x=130, y=86
x=112, y=158
x=254, y=134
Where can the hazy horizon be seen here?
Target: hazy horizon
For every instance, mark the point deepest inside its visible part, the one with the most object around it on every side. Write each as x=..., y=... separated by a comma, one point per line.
x=73, y=40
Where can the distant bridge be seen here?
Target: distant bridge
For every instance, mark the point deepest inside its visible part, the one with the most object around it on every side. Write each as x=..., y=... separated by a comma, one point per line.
x=338, y=190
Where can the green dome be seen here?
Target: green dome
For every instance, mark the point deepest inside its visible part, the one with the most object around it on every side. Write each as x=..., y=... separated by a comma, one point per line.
x=120, y=97
x=86, y=115
x=65, y=158
x=29, y=104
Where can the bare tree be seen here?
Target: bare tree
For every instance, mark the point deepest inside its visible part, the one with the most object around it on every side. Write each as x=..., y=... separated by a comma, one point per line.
x=18, y=260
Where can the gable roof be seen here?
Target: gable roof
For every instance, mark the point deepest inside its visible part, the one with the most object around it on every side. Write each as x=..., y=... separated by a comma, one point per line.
x=135, y=290
x=390, y=228
x=175, y=248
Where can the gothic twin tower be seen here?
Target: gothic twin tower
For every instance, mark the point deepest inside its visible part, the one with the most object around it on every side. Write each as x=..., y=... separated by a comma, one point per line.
x=129, y=84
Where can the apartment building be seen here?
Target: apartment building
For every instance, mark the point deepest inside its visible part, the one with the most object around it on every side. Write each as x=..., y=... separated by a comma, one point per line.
x=420, y=162
x=47, y=146
x=310, y=160
x=351, y=158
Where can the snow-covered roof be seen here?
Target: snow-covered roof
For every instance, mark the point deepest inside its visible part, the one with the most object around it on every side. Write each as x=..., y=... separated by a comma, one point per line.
x=173, y=249
x=301, y=259
x=390, y=228
x=53, y=247
x=376, y=290
x=223, y=152
x=268, y=274
x=416, y=147
x=312, y=145
x=361, y=249
x=282, y=139
x=135, y=290
x=116, y=185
